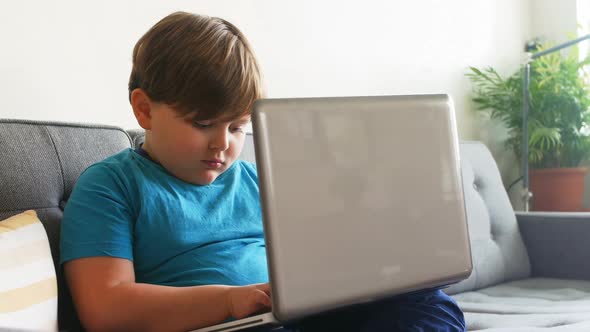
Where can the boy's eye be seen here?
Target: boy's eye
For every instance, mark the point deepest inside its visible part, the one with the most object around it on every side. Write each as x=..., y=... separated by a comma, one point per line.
x=201, y=125
x=236, y=129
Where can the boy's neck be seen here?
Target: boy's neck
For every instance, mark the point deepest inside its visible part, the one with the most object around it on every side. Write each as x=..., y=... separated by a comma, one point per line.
x=142, y=152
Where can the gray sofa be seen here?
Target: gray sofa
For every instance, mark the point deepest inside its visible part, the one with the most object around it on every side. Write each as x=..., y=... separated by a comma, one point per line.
x=530, y=269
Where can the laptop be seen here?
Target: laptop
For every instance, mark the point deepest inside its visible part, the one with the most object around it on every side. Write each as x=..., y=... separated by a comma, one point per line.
x=362, y=200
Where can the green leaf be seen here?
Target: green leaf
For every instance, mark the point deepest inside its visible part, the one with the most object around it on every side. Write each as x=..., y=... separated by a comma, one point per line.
x=559, y=107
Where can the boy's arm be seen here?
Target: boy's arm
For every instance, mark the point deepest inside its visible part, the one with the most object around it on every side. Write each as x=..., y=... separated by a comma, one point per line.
x=108, y=298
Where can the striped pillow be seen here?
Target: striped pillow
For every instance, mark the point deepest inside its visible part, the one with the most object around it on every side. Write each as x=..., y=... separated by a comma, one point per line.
x=28, y=287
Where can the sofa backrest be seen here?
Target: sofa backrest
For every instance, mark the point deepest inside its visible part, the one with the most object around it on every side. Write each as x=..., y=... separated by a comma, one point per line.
x=497, y=248
x=39, y=164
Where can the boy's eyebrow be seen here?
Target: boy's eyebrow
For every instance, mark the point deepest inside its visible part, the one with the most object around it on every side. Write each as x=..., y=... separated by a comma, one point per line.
x=243, y=120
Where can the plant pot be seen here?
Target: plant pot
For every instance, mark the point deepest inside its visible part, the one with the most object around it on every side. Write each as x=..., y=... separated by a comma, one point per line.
x=557, y=189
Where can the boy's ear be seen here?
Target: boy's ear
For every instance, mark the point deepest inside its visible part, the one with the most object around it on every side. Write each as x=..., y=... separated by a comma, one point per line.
x=142, y=108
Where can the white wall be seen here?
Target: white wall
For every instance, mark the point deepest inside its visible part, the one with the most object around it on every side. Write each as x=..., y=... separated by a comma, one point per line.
x=69, y=60
x=552, y=20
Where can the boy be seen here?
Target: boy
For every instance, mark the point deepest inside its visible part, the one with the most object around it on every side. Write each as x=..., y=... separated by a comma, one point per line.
x=169, y=236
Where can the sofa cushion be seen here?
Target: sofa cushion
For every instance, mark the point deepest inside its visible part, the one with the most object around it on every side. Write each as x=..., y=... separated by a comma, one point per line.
x=527, y=304
x=28, y=287
x=39, y=165
x=497, y=248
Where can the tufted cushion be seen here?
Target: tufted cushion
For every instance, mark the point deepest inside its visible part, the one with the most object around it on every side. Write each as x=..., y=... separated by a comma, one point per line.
x=498, y=251
x=39, y=163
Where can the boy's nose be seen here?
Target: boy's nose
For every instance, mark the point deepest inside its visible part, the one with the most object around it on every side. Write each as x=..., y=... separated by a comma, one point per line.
x=219, y=141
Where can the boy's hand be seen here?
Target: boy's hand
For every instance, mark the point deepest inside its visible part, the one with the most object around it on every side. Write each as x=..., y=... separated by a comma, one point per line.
x=247, y=300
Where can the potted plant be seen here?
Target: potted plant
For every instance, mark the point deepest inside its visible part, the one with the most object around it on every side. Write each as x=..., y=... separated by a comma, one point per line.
x=559, y=114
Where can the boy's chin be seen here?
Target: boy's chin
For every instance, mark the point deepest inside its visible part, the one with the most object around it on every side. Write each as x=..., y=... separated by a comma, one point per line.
x=203, y=181
x=207, y=178
x=202, y=177
x=200, y=180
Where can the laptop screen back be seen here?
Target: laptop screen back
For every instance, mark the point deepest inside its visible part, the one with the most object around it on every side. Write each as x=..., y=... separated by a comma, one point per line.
x=362, y=199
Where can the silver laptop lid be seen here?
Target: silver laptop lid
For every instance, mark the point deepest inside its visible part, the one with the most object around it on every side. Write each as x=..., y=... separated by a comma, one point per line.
x=362, y=198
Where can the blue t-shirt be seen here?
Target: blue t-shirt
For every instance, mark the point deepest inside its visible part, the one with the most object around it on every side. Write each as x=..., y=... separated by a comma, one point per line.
x=176, y=233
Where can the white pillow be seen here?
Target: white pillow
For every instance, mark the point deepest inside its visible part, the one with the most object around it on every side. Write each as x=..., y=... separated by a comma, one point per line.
x=28, y=287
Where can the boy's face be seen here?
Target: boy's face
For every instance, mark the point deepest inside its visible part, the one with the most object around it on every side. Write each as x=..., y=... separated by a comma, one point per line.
x=194, y=151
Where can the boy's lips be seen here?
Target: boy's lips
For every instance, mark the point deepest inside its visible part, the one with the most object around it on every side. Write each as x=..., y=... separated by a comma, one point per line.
x=213, y=163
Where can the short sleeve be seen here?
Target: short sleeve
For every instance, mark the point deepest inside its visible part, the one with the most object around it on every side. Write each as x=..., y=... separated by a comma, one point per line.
x=98, y=218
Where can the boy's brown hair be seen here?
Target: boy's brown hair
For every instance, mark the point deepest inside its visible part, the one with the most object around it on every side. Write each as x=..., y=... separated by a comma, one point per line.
x=197, y=63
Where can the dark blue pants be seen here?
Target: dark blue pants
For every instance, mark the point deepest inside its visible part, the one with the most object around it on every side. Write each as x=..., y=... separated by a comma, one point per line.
x=426, y=311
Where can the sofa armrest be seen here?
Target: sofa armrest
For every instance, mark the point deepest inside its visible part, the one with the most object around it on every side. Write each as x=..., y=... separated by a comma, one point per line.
x=558, y=243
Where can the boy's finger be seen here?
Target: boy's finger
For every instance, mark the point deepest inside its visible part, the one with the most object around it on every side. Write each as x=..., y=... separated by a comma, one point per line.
x=263, y=298
x=264, y=287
